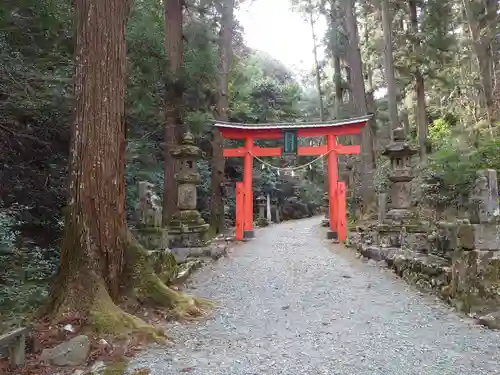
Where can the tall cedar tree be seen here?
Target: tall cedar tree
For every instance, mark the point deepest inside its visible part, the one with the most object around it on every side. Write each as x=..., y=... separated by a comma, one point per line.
x=421, y=114
x=93, y=248
x=226, y=9
x=174, y=50
x=100, y=259
x=389, y=66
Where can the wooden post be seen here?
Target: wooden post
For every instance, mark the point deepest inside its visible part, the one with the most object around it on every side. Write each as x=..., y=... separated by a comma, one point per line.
x=240, y=210
x=247, y=181
x=331, y=142
x=341, y=211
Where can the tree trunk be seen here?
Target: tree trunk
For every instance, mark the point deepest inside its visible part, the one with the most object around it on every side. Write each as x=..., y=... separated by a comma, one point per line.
x=389, y=67
x=481, y=17
x=92, y=252
x=338, y=87
x=316, y=64
x=337, y=68
x=97, y=244
x=419, y=85
x=222, y=113
x=360, y=107
x=174, y=50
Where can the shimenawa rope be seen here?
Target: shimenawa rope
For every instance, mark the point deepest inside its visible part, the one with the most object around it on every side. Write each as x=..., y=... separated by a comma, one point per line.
x=299, y=167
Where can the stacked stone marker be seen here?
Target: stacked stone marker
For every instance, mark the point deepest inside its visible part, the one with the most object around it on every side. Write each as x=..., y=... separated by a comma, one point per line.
x=483, y=231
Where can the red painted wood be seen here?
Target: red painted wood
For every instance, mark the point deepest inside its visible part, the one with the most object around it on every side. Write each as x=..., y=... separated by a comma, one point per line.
x=341, y=211
x=230, y=133
x=350, y=129
x=247, y=181
x=302, y=151
x=347, y=150
x=331, y=143
x=240, y=210
x=336, y=130
x=267, y=151
x=311, y=150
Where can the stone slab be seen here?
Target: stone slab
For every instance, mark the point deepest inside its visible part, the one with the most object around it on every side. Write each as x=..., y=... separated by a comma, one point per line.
x=479, y=237
x=331, y=235
x=248, y=234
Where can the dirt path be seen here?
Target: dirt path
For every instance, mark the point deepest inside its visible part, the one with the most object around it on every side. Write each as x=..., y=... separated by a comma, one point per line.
x=292, y=303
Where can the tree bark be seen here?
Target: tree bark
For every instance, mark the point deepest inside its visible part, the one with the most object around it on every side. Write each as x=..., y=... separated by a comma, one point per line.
x=337, y=68
x=217, y=223
x=174, y=91
x=421, y=114
x=92, y=252
x=317, y=70
x=360, y=106
x=482, y=17
x=97, y=243
x=389, y=67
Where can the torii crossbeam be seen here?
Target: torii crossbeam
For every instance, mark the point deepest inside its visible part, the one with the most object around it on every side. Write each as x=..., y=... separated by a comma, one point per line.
x=330, y=129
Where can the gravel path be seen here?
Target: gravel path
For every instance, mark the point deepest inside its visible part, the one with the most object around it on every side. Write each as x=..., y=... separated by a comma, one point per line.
x=292, y=303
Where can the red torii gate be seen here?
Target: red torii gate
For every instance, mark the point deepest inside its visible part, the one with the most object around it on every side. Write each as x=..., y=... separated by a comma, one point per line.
x=250, y=132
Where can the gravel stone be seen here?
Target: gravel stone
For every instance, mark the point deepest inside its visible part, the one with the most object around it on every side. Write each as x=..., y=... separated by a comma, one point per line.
x=286, y=307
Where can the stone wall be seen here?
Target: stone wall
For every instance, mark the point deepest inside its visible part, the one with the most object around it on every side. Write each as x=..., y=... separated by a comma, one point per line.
x=458, y=261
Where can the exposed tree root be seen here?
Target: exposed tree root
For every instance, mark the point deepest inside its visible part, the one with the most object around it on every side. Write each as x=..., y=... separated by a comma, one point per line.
x=97, y=312
x=149, y=288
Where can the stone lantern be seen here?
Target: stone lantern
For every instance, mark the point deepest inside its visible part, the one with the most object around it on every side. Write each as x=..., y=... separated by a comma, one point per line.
x=400, y=227
x=187, y=228
x=261, y=203
x=399, y=152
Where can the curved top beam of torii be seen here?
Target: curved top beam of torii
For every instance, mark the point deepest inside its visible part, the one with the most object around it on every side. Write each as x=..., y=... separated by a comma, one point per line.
x=350, y=126
x=293, y=125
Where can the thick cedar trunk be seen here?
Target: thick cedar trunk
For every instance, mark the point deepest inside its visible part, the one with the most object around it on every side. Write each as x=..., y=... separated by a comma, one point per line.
x=222, y=114
x=338, y=86
x=92, y=252
x=360, y=106
x=174, y=50
x=421, y=115
x=337, y=68
x=92, y=275
x=389, y=66
x=482, y=17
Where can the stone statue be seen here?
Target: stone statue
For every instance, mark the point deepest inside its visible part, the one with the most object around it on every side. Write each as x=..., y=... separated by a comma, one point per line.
x=483, y=201
x=149, y=207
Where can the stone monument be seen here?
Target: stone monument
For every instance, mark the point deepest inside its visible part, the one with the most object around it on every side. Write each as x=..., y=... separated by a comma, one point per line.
x=149, y=231
x=482, y=232
x=187, y=228
x=275, y=207
x=261, y=203
x=400, y=227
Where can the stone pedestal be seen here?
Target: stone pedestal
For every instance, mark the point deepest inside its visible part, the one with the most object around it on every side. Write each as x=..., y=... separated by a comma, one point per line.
x=482, y=231
x=400, y=227
x=187, y=228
